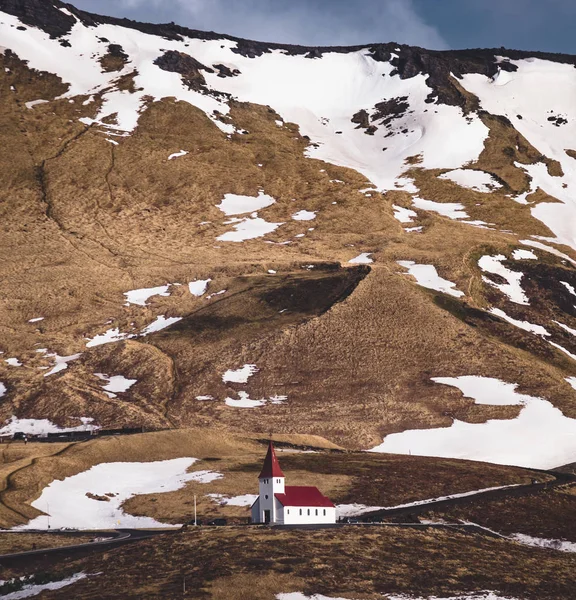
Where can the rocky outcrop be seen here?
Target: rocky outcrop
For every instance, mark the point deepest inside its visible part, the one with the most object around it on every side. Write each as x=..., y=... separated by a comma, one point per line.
x=185, y=65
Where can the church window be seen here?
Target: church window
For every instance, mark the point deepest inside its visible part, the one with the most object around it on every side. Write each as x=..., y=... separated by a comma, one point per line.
x=324, y=512
x=316, y=512
x=300, y=512
x=287, y=511
x=266, y=496
x=308, y=512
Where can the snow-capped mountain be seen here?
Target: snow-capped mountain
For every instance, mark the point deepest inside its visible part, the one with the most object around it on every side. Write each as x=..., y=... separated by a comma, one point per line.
x=177, y=206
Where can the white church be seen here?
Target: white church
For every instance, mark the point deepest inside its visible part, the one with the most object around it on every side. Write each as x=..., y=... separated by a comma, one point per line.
x=279, y=504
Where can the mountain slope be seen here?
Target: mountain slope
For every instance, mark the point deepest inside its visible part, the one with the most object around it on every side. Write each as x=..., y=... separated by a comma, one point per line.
x=352, y=221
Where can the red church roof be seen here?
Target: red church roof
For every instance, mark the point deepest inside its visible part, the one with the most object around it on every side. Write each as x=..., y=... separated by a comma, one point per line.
x=271, y=467
x=298, y=495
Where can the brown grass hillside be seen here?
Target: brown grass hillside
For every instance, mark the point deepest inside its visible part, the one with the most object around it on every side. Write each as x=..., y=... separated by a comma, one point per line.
x=353, y=349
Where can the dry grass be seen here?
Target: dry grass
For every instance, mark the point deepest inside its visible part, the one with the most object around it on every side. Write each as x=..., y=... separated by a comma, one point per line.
x=91, y=220
x=549, y=514
x=353, y=562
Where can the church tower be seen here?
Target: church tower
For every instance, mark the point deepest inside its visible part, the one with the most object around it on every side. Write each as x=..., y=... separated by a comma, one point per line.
x=271, y=482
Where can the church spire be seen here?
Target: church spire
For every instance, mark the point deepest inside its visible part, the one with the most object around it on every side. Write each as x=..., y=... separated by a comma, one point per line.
x=271, y=467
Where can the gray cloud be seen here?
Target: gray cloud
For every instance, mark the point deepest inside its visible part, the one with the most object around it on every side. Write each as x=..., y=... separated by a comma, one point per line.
x=310, y=22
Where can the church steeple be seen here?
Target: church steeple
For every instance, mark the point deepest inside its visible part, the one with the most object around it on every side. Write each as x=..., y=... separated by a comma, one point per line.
x=271, y=467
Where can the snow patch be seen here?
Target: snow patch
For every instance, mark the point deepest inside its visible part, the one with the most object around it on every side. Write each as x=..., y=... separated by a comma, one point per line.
x=43, y=426
x=177, y=154
x=512, y=289
x=404, y=215
x=234, y=204
x=508, y=442
x=248, y=229
x=427, y=276
x=160, y=323
x=61, y=362
x=13, y=362
x=479, y=181
x=304, y=215
x=560, y=545
x=240, y=375
x=108, y=337
x=28, y=591
x=245, y=401
x=68, y=505
x=36, y=320
x=198, y=287
x=362, y=259
x=116, y=384
x=525, y=325
x=141, y=296
x=524, y=255
x=223, y=500
x=452, y=210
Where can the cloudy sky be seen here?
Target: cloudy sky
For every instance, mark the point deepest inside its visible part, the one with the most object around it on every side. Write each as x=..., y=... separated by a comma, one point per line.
x=522, y=24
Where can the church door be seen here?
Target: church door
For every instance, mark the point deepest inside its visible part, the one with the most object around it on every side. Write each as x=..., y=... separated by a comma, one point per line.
x=266, y=516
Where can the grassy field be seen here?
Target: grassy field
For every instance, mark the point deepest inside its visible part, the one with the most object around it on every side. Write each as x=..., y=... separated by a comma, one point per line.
x=352, y=562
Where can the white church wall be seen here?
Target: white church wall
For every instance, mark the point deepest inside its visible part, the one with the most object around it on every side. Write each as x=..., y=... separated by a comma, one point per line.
x=302, y=515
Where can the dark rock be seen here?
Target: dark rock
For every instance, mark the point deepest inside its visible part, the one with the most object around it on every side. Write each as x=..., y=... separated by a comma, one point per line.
x=362, y=118
x=185, y=65
x=224, y=71
x=387, y=111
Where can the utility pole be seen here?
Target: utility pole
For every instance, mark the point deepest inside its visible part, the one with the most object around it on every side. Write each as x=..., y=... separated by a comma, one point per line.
x=195, y=521
x=184, y=584
x=48, y=513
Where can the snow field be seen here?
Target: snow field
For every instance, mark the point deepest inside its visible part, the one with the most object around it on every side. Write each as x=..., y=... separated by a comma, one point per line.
x=508, y=442
x=319, y=95
x=427, y=276
x=538, y=91
x=68, y=505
